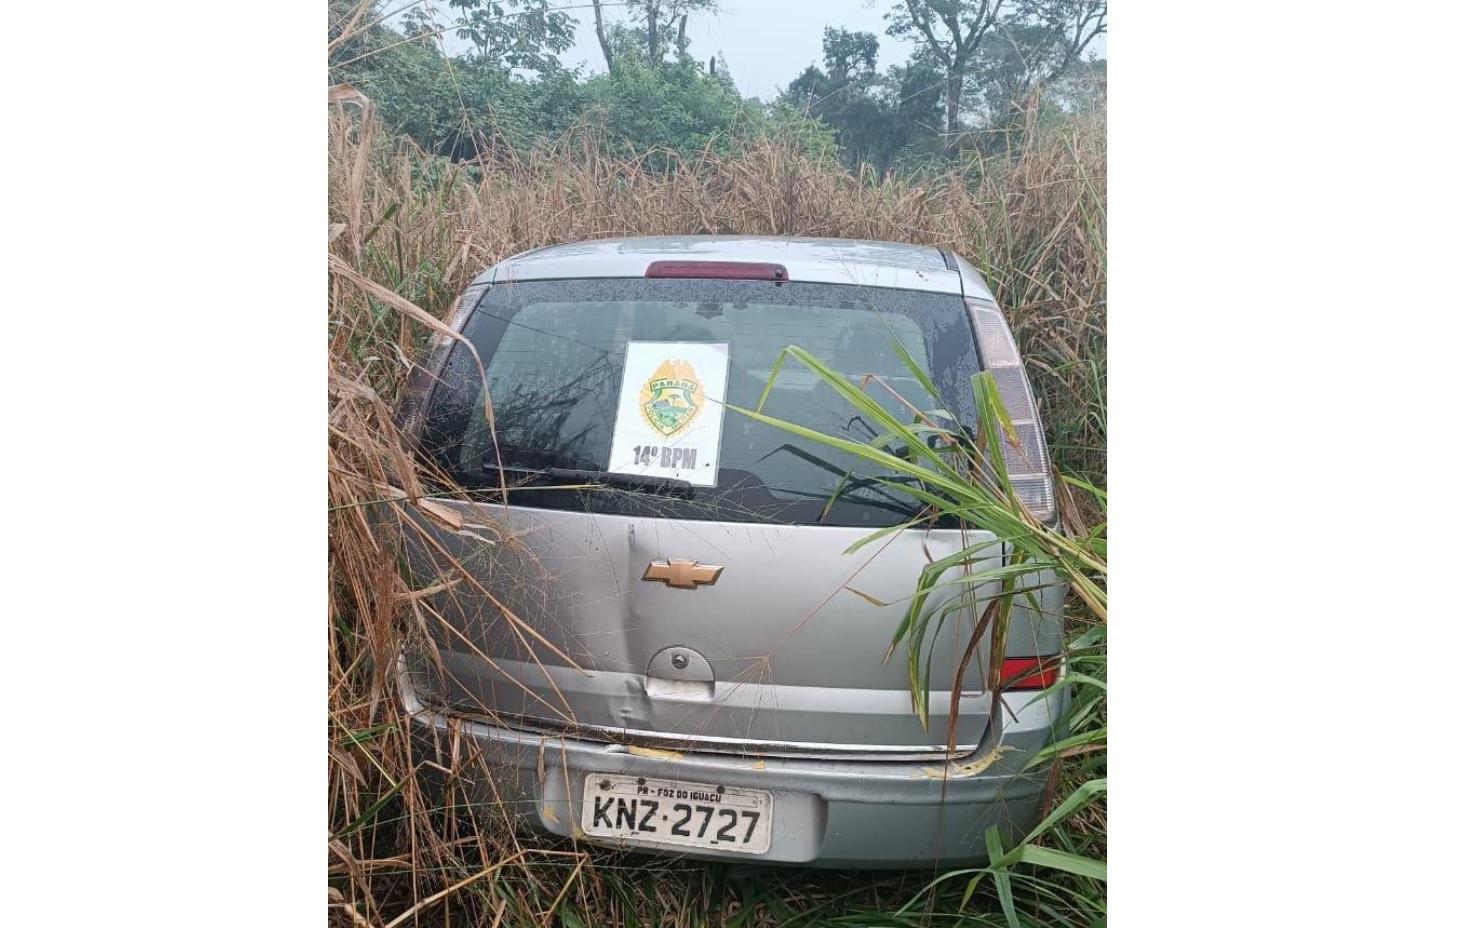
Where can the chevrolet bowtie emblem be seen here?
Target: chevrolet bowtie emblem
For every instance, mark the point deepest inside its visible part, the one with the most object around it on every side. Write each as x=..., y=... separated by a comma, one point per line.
x=682, y=574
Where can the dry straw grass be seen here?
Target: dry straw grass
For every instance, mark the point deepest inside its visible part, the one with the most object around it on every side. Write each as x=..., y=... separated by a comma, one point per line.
x=408, y=231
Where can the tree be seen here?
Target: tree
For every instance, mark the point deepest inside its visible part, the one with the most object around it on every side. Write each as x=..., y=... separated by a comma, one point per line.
x=1008, y=65
x=677, y=106
x=917, y=105
x=514, y=33
x=655, y=24
x=1082, y=88
x=463, y=106
x=1078, y=22
x=995, y=51
x=602, y=37
x=874, y=116
x=1039, y=45
x=850, y=55
x=951, y=31
x=718, y=69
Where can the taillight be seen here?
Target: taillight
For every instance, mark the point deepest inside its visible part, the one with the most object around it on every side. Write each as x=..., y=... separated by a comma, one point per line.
x=1026, y=463
x=718, y=270
x=1029, y=673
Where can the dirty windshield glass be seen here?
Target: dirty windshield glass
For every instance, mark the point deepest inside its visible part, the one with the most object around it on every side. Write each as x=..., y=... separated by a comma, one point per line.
x=555, y=353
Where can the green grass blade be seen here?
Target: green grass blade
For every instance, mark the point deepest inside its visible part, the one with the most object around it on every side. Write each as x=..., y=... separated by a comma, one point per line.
x=1061, y=860
x=1080, y=797
x=1002, y=878
x=915, y=369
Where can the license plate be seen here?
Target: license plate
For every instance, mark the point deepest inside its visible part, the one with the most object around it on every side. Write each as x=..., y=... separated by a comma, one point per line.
x=646, y=810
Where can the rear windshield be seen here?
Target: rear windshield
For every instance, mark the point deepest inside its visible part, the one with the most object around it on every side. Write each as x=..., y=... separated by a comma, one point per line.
x=555, y=354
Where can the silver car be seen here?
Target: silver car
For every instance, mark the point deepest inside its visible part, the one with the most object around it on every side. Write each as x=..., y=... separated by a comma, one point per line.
x=661, y=639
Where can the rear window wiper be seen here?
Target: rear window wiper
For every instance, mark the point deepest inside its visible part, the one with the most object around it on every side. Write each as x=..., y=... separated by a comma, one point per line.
x=609, y=478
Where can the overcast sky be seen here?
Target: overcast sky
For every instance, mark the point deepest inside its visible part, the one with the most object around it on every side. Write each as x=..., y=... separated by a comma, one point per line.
x=767, y=43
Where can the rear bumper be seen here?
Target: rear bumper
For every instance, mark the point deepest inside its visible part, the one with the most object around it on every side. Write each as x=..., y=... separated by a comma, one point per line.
x=826, y=812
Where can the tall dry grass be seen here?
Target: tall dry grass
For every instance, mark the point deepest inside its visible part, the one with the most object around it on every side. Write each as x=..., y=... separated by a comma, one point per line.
x=407, y=232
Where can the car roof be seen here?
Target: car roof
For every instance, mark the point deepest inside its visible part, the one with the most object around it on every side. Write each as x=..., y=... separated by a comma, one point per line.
x=820, y=260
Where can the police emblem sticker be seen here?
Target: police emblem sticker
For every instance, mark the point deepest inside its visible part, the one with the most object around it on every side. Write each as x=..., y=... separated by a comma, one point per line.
x=668, y=421
x=671, y=397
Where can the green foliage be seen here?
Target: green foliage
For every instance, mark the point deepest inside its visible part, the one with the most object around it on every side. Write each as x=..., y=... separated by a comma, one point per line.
x=1008, y=64
x=461, y=107
x=875, y=117
x=993, y=54
x=513, y=33
x=1040, y=48
x=471, y=105
x=660, y=24
x=507, y=91
x=675, y=106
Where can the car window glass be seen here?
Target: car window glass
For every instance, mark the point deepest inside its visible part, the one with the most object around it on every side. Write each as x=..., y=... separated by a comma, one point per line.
x=554, y=353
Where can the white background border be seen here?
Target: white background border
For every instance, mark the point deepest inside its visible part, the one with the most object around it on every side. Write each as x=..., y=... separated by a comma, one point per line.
x=1285, y=385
